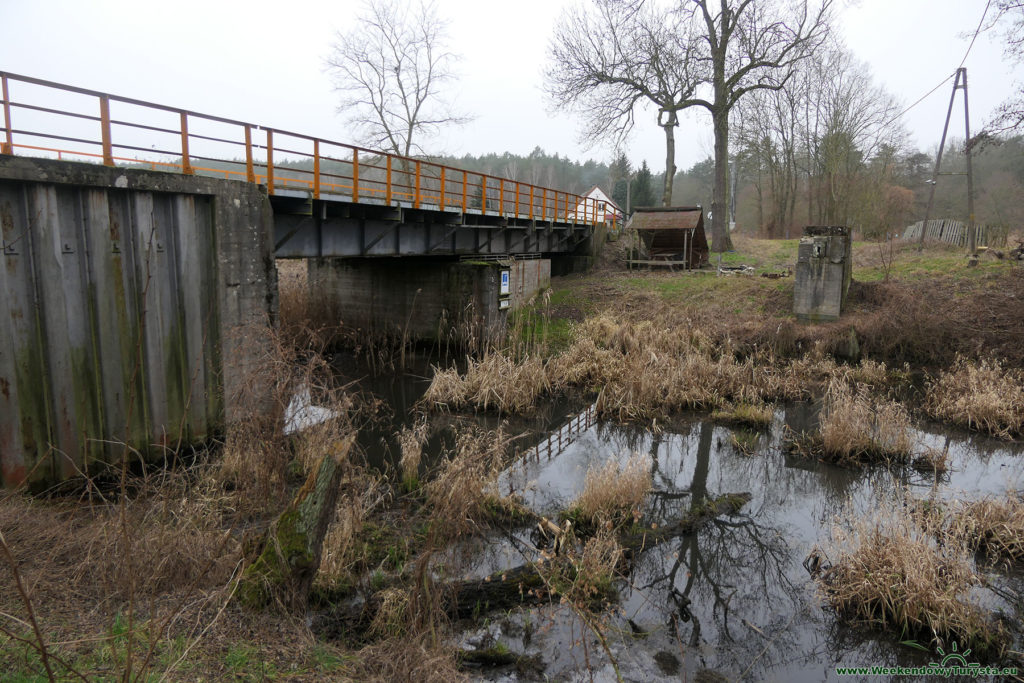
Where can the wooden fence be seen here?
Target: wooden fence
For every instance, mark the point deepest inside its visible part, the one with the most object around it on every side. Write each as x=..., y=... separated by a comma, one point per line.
x=955, y=233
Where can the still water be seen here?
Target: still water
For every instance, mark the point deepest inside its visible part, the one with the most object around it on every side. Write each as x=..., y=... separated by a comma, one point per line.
x=733, y=598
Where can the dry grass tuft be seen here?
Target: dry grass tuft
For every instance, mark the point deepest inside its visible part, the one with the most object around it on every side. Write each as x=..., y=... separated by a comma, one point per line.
x=583, y=574
x=465, y=485
x=645, y=370
x=163, y=535
x=410, y=658
x=613, y=493
x=391, y=619
x=411, y=440
x=979, y=395
x=891, y=571
x=870, y=372
x=361, y=493
x=857, y=427
x=993, y=526
x=932, y=460
x=751, y=415
x=496, y=382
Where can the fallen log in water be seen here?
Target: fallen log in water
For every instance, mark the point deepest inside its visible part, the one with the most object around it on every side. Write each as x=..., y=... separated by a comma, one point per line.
x=528, y=584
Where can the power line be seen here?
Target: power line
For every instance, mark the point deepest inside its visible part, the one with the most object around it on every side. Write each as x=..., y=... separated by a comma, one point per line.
x=976, y=32
x=946, y=79
x=921, y=99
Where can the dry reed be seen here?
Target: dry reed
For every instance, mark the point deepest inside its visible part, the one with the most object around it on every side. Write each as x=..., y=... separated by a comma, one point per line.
x=751, y=415
x=932, y=460
x=465, y=485
x=891, y=571
x=613, y=493
x=410, y=441
x=979, y=395
x=857, y=427
x=642, y=371
x=362, y=493
x=496, y=382
x=994, y=526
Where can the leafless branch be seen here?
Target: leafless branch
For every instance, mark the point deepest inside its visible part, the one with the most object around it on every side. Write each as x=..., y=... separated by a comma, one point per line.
x=390, y=71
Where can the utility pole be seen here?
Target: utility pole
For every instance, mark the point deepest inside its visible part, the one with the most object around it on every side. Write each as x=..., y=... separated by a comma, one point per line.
x=972, y=236
x=959, y=83
x=629, y=188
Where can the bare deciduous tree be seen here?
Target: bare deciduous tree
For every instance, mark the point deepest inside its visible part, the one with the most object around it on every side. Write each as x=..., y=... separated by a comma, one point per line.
x=743, y=46
x=1009, y=117
x=613, y=55
x=832, y=124
x=390, y=70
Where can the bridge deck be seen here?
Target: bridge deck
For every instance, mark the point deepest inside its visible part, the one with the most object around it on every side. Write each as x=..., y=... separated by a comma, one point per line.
x=307, y=177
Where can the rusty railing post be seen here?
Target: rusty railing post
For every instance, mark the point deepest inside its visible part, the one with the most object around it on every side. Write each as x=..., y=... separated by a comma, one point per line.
x=270, y=161
x=544, y=204
x=516, y=211
x=355, y=175
x=8, y=145
x=441, y=196
x=108, y=145
x=465, y=183
x=316, y=168
x=501, y=196
x=416, y=199
x=186, y=163
x=483, y=194
x=387, y=187
x=531, y=202
x=250, y=172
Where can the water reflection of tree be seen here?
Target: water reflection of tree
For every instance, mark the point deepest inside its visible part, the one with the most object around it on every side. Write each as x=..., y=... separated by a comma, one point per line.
x=732, y=565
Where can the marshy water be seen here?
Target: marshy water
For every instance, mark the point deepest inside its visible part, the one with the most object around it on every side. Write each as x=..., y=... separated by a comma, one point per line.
x=733, y=598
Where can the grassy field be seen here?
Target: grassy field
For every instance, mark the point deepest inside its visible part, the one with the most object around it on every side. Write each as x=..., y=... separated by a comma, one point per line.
x=922, y=308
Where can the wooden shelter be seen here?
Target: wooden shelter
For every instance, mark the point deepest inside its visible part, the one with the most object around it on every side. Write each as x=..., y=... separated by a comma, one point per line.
x=671, y=236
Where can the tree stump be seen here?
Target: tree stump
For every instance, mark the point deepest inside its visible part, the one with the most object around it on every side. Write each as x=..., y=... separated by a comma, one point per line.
x=290, y=552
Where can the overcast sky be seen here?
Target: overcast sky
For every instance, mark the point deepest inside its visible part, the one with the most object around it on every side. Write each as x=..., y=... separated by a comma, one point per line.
x=263, y=62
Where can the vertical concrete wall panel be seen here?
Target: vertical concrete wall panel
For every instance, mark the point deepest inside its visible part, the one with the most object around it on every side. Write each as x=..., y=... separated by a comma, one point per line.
x=115, y=326
x=13, y=338
x=55, y=283
x=190, y=245
x=119, y=293
x=32, y=456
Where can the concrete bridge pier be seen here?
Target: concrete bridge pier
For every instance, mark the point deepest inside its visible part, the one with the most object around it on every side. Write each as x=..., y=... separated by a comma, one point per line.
x=446, y=301
x=439, y=300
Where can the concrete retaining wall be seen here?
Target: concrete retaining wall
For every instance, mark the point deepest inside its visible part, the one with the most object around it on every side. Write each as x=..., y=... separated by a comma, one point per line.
x=129, y=305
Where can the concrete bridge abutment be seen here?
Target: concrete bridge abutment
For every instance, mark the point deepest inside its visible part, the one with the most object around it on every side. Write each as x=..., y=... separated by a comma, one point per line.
x=133, y=306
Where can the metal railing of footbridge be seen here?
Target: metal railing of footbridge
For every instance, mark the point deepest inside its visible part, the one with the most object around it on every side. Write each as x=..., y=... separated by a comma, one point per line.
x=68, y=122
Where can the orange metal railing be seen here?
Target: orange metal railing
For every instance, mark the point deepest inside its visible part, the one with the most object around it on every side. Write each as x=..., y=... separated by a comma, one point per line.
x=186, y=142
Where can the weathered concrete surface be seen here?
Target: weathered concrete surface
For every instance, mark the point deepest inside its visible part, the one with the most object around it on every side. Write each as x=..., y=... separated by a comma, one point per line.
x=824, y=268
x=528, y=277
x=419, y=299
x=125, y=297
